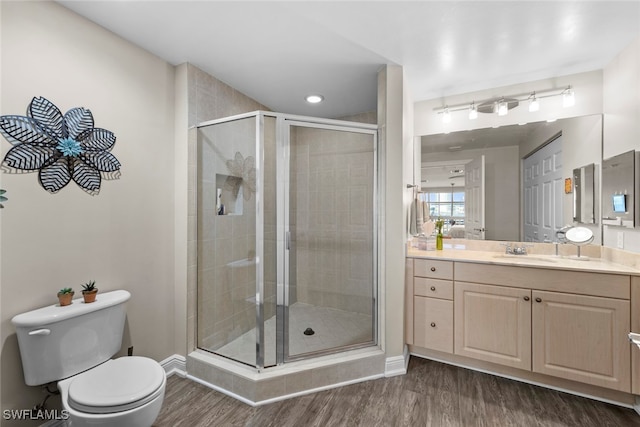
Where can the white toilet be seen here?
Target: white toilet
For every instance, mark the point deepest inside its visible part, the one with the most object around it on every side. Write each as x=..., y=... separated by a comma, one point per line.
x=74, y=345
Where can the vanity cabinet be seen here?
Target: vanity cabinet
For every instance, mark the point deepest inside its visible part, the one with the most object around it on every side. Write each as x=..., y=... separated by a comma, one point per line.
x=433, y=304
x=562, y=323
x=567, y=335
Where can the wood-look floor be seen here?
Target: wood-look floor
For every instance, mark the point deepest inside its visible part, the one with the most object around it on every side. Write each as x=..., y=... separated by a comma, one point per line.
x=430, y=394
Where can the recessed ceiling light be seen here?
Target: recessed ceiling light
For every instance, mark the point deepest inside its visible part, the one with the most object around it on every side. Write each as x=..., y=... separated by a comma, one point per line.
x=314, y=99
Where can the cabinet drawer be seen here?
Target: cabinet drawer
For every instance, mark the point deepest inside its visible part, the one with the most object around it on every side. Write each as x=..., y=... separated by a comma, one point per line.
x=434, y=288
x=434, y=269
x=433, y=324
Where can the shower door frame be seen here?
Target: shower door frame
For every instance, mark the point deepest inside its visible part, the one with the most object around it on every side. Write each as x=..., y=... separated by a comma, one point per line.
x=283, y=144
x=258, y=117
x=282, y=135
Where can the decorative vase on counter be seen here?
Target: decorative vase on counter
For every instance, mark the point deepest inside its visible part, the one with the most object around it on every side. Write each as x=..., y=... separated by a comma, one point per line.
x=439, y=226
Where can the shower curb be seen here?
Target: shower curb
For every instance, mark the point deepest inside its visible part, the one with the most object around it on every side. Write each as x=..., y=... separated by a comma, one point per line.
x=283, y=382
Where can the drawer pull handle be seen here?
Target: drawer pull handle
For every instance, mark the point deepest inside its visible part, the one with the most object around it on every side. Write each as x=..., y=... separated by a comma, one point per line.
x=433, y=269
x=433, y=324
x=538, y=299
x=433, y=288
x=526, y=298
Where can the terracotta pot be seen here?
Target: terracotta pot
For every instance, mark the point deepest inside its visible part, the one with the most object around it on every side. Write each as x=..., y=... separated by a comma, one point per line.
x=89, y=296
x=65, y=299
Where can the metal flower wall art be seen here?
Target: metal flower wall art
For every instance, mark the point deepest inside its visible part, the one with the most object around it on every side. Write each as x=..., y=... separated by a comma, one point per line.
x=244, y=169
x=61, y=147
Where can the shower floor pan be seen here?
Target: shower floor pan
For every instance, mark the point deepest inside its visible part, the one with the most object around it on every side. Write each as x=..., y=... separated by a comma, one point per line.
x=332, y=328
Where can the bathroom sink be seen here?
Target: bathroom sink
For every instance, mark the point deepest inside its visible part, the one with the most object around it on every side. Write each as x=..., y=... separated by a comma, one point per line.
x=524, y=258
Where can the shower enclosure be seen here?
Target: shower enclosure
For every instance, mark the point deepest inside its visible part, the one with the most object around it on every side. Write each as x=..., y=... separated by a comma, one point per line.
x=286, y=241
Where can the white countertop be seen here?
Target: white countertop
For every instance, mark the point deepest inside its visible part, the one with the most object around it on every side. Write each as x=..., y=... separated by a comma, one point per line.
x=594, y=265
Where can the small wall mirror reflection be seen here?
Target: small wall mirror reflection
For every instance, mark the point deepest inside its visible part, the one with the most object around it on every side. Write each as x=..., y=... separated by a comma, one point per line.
x=584, y=194
x=618, y=190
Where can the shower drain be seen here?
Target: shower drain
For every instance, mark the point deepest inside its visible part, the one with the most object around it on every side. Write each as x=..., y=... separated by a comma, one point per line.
x=309, y=331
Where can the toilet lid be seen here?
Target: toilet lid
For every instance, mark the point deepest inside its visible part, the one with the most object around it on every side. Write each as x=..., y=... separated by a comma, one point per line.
x=116, y=385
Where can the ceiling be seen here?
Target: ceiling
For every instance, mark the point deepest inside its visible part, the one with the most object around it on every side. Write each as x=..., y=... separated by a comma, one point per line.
x=278, y=52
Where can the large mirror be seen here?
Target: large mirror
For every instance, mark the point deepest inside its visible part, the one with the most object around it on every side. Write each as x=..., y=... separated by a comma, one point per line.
x=526, y=174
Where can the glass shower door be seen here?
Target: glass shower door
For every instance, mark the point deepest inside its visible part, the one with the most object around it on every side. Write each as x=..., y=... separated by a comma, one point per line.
x=330, y=256
x=236, y=238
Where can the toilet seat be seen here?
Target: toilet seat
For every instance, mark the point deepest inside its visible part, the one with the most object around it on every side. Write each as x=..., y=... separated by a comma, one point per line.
x=117, y=385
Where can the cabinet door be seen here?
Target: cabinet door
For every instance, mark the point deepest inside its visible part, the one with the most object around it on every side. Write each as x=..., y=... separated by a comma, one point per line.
x=433, y=324
x=493, y=323
x=582, y=338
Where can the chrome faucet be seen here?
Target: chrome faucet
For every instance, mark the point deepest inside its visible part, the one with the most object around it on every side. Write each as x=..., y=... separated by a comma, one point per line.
x=516, y=250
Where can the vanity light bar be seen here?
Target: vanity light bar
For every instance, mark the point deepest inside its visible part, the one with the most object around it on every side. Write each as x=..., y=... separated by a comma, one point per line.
x=502, y=108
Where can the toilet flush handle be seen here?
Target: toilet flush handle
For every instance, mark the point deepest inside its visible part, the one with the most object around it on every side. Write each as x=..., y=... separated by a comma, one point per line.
x=40, y=332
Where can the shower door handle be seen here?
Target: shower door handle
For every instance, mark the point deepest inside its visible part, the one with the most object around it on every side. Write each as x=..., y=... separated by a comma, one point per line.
x=287, y=240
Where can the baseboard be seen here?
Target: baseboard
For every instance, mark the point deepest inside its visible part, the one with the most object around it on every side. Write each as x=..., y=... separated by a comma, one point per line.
x=636, y=405
x=397, y=365
x=175, y=365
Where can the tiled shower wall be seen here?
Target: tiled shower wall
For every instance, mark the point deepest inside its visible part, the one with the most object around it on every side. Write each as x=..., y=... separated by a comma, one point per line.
x=332, y=218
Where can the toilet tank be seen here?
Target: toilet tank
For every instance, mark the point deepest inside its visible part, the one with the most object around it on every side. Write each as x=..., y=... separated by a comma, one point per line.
x=58, y=342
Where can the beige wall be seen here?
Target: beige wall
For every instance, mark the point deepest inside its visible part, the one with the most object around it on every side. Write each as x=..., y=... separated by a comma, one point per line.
x=622, y=123
x=396, y=139
x=124, y=237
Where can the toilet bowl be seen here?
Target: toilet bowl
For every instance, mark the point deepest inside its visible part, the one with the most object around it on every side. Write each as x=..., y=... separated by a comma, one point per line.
x=127, y=391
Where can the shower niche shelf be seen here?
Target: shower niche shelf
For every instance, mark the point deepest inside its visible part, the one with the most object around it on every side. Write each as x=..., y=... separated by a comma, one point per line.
x=229, y=194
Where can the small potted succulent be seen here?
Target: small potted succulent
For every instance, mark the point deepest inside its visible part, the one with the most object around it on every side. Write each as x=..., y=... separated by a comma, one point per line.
x=65, y=295
x=89, y=291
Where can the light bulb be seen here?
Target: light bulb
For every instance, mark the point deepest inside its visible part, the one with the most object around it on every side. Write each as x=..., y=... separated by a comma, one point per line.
x=473, y=112
x=503, y=108
x=446, y=116
x=568, y=98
